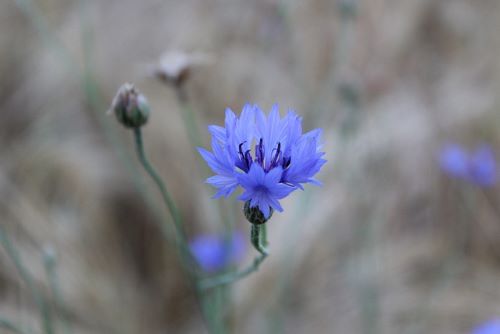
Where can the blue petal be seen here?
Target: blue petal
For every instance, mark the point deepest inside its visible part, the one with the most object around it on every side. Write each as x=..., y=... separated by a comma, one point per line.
x=218, y=164
x=281, y=190
x=257, y=173
x=209, y=158
x=226, y=185
x=221, y=181
x=247, y=195
x=294, y=131
x=275, y=204
x=272, y=131
x=245, y=125
x=255, y=200
x=264, y=208
x=218, y=132
x=254, y=177
x=230, y=120
x=306, y=160
x=274, y=175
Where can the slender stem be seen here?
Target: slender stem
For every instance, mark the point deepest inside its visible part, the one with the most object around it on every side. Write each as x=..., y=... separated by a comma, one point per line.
x=233, y=277
x=158, y=181
x=46, y=320
x=258, y=240
x=188, y=116
x=264, y=237
x=169, y=203
x=49, y=260
x=188, y=262
x=9, y=325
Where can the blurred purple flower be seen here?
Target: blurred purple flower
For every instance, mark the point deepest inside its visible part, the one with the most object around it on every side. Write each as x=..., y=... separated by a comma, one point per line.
x=483, y=166
x=268, y=156
x=489, y=327
x=478, y=167
x=454, y=160
x=215, y=252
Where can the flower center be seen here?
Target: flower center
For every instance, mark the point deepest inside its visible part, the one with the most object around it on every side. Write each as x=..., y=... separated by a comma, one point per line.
x=245, y=157
x=261, y=189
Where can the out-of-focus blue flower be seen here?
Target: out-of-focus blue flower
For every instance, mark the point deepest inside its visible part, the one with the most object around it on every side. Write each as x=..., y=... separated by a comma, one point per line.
x=489, y=327
x=483, y=166
x=478, y=166
x=215, y=252
x=268, y=156
x=454, y=161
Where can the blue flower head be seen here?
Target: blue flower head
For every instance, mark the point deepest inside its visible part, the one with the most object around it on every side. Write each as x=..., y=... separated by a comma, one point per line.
x=214, y=252
x=488, y=327
x=478, y=167
x=267, y=156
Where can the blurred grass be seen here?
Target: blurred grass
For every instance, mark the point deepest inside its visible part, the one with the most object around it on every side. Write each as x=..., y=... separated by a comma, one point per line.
x=374, y=250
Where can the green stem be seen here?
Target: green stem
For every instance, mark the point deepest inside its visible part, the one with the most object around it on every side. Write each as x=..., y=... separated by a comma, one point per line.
x=46, y=321
x=49, y=261
x=258, y=240
x=188, y=262
x=181, y=241
x=258, y=237
x=159, y=183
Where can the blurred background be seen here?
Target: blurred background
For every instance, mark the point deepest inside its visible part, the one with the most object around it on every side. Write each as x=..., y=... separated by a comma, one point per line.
x=393, y=242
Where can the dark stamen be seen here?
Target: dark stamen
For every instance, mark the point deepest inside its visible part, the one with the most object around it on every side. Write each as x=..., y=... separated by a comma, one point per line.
x=241, y=149
x=286, y=162
x=245, y=158
x=259, y=152
x=248, y=159
x=276, y=155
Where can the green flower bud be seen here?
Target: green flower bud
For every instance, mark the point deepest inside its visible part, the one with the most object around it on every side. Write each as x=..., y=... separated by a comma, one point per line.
x=254, y=215
x=130, y=107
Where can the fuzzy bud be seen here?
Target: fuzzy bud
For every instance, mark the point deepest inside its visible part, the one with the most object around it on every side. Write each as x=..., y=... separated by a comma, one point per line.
x=254, y=215
x=130, y=107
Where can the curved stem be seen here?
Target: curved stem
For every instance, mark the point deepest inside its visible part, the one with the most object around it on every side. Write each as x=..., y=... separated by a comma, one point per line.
x=158, y=181
x=188, y=262
x=258, y=237
x=258, y=240
x=46, y=320
x=169, y=203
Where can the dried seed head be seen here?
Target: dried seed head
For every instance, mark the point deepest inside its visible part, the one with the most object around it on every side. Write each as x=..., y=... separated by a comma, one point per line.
x=175, y=67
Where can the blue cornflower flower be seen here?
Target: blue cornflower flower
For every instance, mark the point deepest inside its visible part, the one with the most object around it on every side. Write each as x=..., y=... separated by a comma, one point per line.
x=268, y=156
x=488, y=327
x=215, y=252
x=478, y=167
